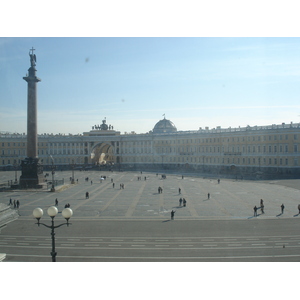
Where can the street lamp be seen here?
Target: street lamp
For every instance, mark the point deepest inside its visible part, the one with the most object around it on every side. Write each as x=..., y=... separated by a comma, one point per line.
x=72, y=166
x=52, y=212
x=16, y=170
x=52, y=172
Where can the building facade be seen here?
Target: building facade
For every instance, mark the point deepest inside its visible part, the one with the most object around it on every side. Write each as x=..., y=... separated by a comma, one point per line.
x=244, y=152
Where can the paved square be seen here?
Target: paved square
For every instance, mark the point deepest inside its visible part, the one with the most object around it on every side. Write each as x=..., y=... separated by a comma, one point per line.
x=133, y=223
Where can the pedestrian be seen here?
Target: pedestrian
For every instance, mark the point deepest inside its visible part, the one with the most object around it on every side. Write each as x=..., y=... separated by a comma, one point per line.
x=15, y=203
x=261, y=202
x=180, y=201
x=87, y=195
x=255, y=211
x=172, y=214
x=56, y=202
x=91, y=182
x=18, y=204
x=262, y=208
x=179, y=191
x=282, y=208
x=184, y=202
x=10, y=202
x=208, y=196
x=113, y=185
x=218, y=181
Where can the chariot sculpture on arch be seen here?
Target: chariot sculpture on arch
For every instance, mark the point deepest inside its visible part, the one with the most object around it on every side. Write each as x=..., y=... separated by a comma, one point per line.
x=103, y=126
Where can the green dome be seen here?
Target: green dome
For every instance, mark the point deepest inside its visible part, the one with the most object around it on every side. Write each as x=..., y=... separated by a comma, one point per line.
x=164, y=126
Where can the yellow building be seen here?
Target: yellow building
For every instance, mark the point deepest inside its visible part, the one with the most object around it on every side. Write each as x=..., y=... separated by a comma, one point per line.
x=248, y=152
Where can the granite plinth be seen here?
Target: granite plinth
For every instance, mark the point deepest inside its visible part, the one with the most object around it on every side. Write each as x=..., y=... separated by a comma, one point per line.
x=32, y=173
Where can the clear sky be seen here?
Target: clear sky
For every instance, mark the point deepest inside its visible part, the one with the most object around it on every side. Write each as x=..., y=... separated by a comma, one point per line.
x=133, y=82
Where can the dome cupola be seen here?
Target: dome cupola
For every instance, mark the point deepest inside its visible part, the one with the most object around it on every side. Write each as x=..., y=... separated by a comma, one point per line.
x=164, y=126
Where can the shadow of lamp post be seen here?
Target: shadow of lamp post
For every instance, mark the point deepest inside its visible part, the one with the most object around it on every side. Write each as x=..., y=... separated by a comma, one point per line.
x=52, y=212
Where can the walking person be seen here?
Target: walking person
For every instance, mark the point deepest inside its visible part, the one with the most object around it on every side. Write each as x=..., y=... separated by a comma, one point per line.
x=262, y=208
x=18, y=204
x=10, y=202
x=87, y=195
x=208, y=196
x=15, y=203
x=172, y=214
x=180, y=201
x=179, y=191
x=184, y=202
x=282, y=208
x=56, y=202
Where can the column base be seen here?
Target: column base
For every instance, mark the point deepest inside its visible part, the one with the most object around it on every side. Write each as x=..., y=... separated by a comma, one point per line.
x=32, y=173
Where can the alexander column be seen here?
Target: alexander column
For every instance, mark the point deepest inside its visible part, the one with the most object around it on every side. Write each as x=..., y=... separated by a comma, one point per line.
x=32, y=170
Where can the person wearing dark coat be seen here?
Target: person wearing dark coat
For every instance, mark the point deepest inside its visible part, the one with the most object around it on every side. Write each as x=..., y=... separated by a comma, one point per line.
x=172, y=214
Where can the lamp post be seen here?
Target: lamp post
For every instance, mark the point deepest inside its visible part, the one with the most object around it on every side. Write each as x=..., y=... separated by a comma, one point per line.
x=72, y=166
x=52, y=212
x=52, y=172
x=16, y=170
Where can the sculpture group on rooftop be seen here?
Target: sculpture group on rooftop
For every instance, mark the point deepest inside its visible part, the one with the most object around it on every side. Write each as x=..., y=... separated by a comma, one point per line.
x=103, y=126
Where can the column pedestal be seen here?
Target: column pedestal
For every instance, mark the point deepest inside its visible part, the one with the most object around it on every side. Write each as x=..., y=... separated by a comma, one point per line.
x=32, y=173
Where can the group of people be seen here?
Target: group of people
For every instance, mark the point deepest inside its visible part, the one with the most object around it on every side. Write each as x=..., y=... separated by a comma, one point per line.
x=15, y=203
x=262, y=207
x=182, y=201
x=56, y=204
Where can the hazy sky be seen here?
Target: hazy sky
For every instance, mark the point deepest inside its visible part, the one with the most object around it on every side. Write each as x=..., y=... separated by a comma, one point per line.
x=195, y=82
